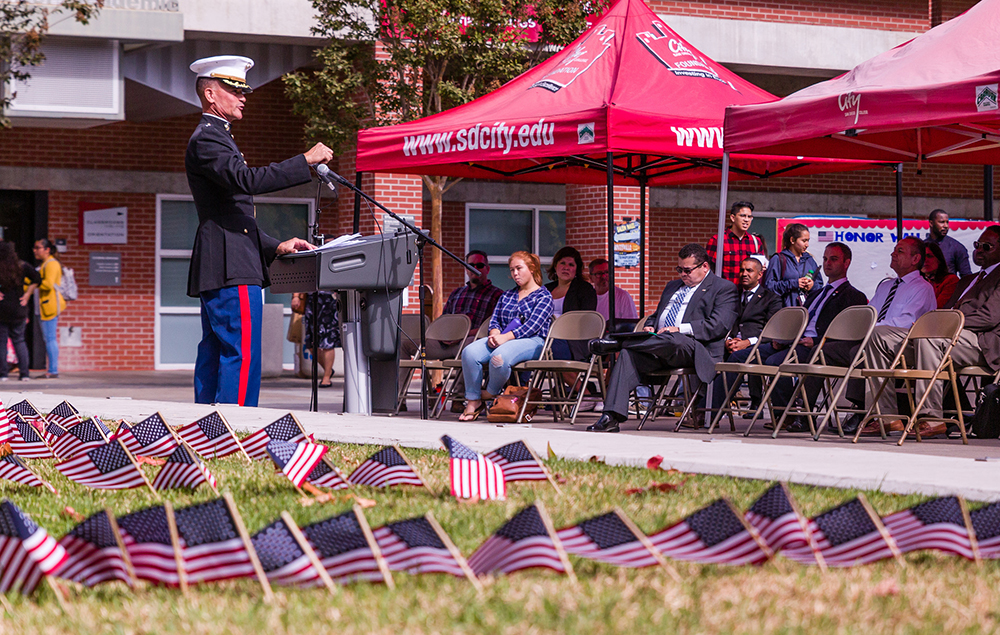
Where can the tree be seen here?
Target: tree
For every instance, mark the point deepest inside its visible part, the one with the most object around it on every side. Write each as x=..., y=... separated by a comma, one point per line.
x=390, y=61
x=23, y=27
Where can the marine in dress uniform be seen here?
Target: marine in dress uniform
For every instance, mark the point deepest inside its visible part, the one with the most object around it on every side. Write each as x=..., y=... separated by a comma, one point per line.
x=231, y=255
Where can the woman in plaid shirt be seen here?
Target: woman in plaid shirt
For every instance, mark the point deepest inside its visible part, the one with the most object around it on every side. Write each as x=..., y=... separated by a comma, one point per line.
x=518, y=329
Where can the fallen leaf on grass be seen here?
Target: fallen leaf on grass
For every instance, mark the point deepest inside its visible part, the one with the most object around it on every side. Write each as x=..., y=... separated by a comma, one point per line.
x=551, y=452
x=149, y=460
x=365, y=503
x=5, y=449
x=307, y=501
x=674, y=470
x=654, y=462
x=656, y=487
x=75, y=515
x=562, y=480
x=596, y=459
x=469, y=501
x=886, y=587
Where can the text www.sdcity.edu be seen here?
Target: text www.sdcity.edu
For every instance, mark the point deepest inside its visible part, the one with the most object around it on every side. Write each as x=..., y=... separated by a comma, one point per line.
x=499, y=136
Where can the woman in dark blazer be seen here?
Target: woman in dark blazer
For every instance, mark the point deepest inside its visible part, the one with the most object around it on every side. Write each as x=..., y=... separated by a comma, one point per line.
x=570, y=292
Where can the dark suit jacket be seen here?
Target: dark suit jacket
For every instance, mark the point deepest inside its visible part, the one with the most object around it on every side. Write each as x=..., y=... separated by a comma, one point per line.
x=751, y=320
x=842, y=297
x=229, y=248
x=981, y=307
x=711, y=313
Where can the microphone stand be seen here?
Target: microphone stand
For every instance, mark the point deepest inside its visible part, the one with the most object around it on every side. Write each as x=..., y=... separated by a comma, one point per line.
x=422, y=239
x=317, y=239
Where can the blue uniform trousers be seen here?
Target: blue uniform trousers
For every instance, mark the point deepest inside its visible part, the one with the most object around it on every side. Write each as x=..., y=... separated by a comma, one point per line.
x=228, y=365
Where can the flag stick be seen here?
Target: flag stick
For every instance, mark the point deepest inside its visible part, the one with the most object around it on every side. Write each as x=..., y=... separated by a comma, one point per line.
x=6, y=605
x=175, y=540
x=235, y=438
x=972, y=531
x=373, y=545
x=138, y=469
x=248, y=545
x=820, y=560
x=544, y=515
x=308, y=550
x=755, y=535
x=301, y=429
x=881, y=529
x=453, y=550
x=413, y=467
x=58, y=590
x=548, y=475
x=199, y=463
x=121, y=546
x=648, y=544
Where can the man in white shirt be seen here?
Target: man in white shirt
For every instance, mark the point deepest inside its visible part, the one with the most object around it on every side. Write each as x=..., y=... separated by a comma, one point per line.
x=624, y=304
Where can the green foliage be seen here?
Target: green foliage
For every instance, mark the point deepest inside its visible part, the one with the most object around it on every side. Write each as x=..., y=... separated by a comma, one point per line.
x=23, y=26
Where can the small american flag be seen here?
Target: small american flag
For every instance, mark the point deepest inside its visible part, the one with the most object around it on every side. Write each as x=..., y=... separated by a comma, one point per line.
x=936, y=524
x=210, y=436
x=65, y=415
x=105, y=467
x=296, y=460
x=12, y=468
x=326, y=474
x=825, y=236
x=384, y=468
x=413, y=546
x=606, y=538
x=82, y=437
x=212, y=548
x=29, y=413
x=518, y=463
x=472, y=474
x=93, y=553
x=775, y=519
x=6, y=428
x=523, y=542
x=149, y=437
x=286, y=428
x=986, y=524
x=146, y=535
x=342, y=548
x=26, y=441
x=281, y=557
x=183, y=469
x=846, y=536
x=27, y=552
x=713, y=534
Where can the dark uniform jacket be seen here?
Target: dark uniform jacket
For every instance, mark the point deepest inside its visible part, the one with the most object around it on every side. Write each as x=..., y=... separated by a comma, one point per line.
x=750, y=320
x=229, y=248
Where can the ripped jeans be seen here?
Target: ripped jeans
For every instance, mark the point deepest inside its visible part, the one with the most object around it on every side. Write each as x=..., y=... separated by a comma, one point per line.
x=500, y=359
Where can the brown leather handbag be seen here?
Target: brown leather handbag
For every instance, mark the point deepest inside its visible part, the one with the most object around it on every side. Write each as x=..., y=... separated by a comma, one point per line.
x=507, y=406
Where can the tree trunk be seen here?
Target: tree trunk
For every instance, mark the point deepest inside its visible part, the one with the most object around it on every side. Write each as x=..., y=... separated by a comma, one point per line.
x=436, y=186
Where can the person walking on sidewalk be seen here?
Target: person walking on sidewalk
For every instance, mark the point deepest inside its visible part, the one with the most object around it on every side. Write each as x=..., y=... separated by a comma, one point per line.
x=50, y=302
x=18, y=281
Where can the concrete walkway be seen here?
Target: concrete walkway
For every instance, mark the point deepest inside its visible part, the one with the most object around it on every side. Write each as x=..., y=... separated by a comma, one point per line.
x=934, y=467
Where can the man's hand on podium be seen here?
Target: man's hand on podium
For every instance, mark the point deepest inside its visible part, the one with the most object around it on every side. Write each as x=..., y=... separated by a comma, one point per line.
x=293, y=245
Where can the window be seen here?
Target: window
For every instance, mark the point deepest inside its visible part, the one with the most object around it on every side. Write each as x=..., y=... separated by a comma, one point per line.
x=178, y=317
x=500, y=230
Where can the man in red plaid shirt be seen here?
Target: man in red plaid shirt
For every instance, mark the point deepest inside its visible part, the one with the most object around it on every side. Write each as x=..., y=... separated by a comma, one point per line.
x=739, y=242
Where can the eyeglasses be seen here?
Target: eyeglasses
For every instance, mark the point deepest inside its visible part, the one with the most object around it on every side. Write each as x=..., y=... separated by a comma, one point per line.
x=983, y=246
x=687, y=270
x=478, y=265
x=599, y=274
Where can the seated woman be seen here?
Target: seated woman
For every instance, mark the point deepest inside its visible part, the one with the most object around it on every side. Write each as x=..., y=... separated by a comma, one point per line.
x=518, y=329
x=935, y=271
x=570, y=292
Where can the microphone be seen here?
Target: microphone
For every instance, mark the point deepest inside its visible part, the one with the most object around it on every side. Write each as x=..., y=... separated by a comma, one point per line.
x=329, y=177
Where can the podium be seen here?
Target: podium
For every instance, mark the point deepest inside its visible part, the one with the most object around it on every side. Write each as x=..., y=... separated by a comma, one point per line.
x=372, y=272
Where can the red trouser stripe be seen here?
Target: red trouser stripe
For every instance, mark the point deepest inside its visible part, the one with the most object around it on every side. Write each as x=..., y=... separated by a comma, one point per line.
x=246, y=332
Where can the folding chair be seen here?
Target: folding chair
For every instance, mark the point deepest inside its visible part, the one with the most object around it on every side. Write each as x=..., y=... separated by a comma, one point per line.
x=575, y=325
x=945, y=324
x=662, y=402
x=848, y=325
x=456, y=388
x=787, y=325
x=448, y=327
x=409, y=326
x=976, y=376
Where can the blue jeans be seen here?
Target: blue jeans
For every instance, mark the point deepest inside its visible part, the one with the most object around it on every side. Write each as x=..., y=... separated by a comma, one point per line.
x=500, y=359
x=50, y=329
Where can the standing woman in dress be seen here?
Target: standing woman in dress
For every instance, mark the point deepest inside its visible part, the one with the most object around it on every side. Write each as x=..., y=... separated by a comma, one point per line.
x=50, y=302
x=18, y=280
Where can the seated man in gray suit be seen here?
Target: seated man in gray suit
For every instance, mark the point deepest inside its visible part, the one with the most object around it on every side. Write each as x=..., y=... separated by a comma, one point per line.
x=690, y=326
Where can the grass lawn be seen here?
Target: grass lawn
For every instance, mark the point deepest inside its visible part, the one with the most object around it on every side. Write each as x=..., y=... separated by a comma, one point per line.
x=934, y=593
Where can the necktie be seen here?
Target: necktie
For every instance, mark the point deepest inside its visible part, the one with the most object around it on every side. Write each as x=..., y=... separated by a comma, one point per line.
x=675, y=306
x=746, y=299
x=885, y=305
x=819, y=300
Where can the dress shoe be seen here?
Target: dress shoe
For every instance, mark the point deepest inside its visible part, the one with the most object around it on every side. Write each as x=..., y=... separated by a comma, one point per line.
x=604, y=346
x=796, y=424
x=752, y=409
x=850, y=425
x=871, y=429
x=929, y=430
x=695, y=421
x=607, y=423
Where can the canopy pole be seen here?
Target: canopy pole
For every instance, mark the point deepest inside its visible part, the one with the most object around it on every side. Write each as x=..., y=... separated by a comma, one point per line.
x=642, y=246
x=357, y=206
x=611, y=242
x=723, y=195
x=899, y=202
x=988, y=192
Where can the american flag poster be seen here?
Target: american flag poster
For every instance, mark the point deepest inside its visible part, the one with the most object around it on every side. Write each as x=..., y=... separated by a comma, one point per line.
x=27, y=552
x=344, y=549
x=713, y=534
x=846, y=536
x=146, y=535
x=607, y=538
x=26, y=441
x=149, y=437
x=211, y=436
x=986, y=525
x=108, y=466
x=65, y=415
x=327, y=475
x=284, y=558
x=779, y=522
x=386, y=467
x=296, y=460
x=937, y=524
x=82, y=437
x=525, y=541
x=472, y=475
x=211, y=545
x=183, y=469
x=413, y=546
x=93, y=553
x=287, y=428
x=12, y=468
x=518, y=462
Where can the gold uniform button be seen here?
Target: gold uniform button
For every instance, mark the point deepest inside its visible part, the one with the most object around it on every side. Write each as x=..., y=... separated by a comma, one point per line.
x=244, y=231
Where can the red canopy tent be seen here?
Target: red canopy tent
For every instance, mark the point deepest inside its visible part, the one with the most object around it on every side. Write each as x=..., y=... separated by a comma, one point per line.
x=630, y=102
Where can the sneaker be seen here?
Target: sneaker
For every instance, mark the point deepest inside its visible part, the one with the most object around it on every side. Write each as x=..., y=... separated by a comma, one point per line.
x=4, y=378
x=23, y=378
x=589, y=405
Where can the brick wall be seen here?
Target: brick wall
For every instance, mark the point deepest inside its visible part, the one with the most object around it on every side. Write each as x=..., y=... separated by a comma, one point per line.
x=905, y=15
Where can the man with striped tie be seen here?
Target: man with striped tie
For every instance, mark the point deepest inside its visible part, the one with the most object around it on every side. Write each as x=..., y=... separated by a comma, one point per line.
x=689, y=328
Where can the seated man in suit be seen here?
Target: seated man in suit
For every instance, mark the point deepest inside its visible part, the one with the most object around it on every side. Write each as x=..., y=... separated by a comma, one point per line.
x=690, y=325
x=757, y=305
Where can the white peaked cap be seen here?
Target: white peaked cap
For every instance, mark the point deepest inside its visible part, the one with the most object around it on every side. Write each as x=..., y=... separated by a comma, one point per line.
x=229, y=69
x=761, y=259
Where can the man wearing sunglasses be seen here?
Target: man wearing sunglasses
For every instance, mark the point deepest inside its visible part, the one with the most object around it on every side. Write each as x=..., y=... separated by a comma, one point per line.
x=689, y=328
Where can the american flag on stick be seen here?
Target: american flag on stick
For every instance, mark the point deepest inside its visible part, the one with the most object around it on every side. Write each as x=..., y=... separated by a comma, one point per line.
x=110, y=466
x=150, y=437
x=780, y=523
x=12, y=468
x=82, y=437
x=527, y=540
x=472, y=475
x=146, y=536
x=613, y=538
x=389, y=466
x=347, y=549
x=287, y=558
x=26, y=441
x=184, y=469
x=419, y=545
x=6, y=428
x=296, y=460
x=287, y=428
x=936, y=524
x=212, y=437
x=847, y=535
x=29, y=413
x=520, y=463
x=96, y=553
x=27, y=552
x=715, y=534
x=65, y=415
x=326, y=474
x=986, y=527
